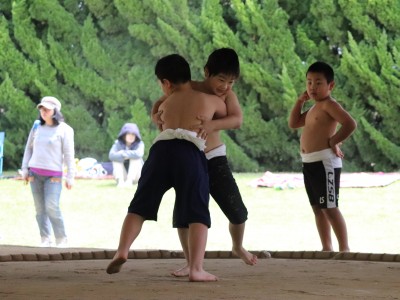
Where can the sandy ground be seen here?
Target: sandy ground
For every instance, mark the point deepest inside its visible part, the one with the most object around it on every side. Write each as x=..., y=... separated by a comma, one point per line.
x=43, y=273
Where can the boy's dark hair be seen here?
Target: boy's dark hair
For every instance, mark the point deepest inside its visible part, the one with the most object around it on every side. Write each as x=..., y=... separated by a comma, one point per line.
x=174, y=68
x=323, y=68
x=223, y=61
x=57, y=118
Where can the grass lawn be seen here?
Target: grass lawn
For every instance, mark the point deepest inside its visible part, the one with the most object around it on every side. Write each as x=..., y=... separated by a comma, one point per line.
x=278, y=219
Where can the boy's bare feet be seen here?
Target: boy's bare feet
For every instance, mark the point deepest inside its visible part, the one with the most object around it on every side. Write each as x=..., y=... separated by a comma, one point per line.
x=115, y=265
x=182, y=272
x=201, y=276
x=246, y=256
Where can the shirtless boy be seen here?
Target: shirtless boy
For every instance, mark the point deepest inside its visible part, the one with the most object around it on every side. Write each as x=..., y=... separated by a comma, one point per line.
x=221, y=71
x=320, y=151
x=185, y=168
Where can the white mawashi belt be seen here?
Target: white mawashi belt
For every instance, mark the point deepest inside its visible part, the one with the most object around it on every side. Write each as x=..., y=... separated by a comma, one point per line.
x=182, y=134
x=322, y=155
x=219, y=151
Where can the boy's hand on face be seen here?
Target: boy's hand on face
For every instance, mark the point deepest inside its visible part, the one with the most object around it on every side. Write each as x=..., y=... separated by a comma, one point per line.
x=304, y=97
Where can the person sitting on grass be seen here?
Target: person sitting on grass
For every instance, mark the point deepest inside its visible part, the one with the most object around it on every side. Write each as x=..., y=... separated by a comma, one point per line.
x=126, y=155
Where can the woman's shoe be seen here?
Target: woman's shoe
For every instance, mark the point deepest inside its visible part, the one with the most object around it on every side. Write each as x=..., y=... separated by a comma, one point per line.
x=46, y=241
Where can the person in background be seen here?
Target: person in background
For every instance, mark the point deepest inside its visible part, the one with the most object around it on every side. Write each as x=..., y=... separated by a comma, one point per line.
x=50, y=146
x=126, y=155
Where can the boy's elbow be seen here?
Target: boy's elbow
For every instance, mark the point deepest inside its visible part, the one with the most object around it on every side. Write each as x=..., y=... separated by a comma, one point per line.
x=291, y=125
x=235, y=121
x=239, y=123
x=352, y=125
x=349, y=127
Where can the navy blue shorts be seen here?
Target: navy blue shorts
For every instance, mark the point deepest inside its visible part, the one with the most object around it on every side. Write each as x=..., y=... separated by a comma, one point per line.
x=177, y=164
x=224, y=190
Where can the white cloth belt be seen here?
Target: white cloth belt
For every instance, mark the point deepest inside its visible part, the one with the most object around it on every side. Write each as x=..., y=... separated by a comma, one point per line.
x=322, y=155
x=182, y=134
x=219, y=151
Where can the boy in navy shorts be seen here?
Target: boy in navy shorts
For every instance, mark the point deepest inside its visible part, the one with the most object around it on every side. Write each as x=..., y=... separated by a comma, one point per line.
x=221, y=71
x=320, y=151
x=176, y=160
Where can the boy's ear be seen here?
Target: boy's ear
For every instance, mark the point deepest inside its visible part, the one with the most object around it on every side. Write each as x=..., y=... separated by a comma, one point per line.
x=206, y=72
x=168, y=86
x=331, y=85
x=166, y=83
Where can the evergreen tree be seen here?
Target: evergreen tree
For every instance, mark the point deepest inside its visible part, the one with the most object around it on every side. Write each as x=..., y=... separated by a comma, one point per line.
x=98, y=58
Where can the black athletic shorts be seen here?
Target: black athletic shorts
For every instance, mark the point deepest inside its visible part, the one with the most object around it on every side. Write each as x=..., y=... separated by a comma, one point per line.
x=224, y=190
x=322, y=183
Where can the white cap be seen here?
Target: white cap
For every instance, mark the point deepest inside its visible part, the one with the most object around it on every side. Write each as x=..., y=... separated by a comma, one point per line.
x=50, y=103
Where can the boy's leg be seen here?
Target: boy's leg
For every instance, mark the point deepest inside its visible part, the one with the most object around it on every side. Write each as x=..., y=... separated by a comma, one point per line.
x=336, y=219
x=197, y=247
x=237, y=234
x=339, y=227
x=130, y=230
x=183, y=234
x=323, y=227
x=191, y=185
x=224, y=190
x=322, y=179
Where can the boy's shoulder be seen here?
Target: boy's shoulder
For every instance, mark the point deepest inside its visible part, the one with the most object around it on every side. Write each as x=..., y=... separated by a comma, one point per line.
x=326, y=102
x=197, y=85
x=207, y=96
x=334, y=103
x=330, y=106
x=209, y=99
x=230, y=95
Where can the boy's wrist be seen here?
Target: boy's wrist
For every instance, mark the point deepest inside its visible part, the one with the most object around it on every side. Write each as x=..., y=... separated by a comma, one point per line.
x=330, y=143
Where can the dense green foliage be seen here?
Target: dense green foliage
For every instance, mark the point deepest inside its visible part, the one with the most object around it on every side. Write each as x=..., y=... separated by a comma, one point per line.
x=98, y=58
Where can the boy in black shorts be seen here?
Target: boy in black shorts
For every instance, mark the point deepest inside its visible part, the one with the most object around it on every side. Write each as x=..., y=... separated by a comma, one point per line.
x=221, y=71
x=175, y=160
x=320, y=151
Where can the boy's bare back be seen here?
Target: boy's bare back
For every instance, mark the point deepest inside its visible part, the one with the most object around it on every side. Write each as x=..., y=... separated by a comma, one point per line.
x=181, y=109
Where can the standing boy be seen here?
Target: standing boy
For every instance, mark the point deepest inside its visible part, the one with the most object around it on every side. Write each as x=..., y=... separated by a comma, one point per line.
x=320, y=151
x=176, y=160
x=221, y=71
